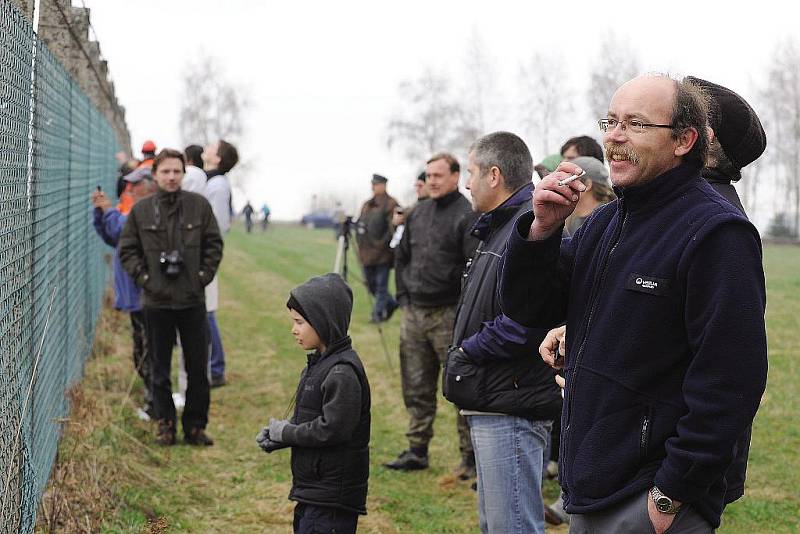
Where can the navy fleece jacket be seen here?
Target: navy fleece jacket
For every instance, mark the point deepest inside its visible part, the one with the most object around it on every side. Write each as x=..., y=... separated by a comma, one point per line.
x=663, y=294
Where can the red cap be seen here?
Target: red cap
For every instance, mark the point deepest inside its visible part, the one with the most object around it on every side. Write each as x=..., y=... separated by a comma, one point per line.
x=148, y=146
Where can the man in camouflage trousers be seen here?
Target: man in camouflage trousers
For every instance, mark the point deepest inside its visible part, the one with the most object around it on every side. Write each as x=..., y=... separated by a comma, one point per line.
x=429, y=264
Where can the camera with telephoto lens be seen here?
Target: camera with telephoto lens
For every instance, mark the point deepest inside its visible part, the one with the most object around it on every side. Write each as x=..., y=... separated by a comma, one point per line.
x=171, y=263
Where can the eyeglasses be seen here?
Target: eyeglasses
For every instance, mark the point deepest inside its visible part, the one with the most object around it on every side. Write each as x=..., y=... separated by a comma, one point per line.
x=635, y=125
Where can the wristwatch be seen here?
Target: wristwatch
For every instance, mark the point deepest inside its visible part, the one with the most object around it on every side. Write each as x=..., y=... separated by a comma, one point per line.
x=664, y=504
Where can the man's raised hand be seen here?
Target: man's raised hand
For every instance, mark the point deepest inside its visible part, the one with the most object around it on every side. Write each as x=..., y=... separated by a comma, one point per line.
x=553, y=203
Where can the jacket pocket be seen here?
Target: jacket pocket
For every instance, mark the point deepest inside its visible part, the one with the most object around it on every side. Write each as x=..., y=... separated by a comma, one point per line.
x=190, y=232
x=463, y=382
x=607, y=457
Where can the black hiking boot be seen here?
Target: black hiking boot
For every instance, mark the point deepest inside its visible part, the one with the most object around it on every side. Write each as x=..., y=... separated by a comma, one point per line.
x=408, y=461
x=198, y=436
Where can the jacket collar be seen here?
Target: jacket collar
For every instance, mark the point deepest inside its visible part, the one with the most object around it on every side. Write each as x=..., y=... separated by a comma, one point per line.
x=448, y=199
x=337, y=346
x=661, y=189
x=212, y=173
x=502, y=213
x=164, y=196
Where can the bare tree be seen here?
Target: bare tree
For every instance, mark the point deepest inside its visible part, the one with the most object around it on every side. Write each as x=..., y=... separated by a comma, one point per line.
x=616, y=63
x=545, y=97
x=212, y=107
x=479, y=68
x=430, y=120
x=782, y=92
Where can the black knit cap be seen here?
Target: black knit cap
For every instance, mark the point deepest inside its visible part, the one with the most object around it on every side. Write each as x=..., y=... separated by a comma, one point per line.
x=378, y=179
x=735, y=124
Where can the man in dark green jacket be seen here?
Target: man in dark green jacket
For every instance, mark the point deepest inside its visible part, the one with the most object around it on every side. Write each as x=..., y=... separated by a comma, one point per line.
x=171, y=246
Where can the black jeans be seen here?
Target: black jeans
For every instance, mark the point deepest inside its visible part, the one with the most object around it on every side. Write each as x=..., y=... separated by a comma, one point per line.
x=310, y=519
x=192, y=325
x=141, y=352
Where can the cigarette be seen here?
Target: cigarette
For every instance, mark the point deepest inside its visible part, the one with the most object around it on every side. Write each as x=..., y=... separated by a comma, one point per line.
x=572, y=178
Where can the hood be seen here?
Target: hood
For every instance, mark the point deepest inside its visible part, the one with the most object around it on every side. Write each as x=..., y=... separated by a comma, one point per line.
x=327, y=303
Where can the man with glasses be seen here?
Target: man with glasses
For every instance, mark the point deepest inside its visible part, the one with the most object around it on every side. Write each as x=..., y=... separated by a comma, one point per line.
x=663, y=294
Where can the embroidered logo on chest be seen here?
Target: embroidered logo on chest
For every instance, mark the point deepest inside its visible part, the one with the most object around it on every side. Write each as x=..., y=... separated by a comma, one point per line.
x=647, y=284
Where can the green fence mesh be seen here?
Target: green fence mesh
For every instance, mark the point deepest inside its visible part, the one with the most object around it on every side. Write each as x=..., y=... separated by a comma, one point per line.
x=55, y=148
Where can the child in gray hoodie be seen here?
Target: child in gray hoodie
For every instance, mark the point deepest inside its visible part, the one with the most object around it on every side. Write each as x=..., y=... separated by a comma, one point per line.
x=329, y=431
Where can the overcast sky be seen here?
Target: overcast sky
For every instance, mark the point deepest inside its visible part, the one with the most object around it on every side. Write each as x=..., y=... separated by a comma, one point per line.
x=323, y=76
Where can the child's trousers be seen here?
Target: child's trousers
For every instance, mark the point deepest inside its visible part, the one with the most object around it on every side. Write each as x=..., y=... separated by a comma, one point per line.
x=310, y=519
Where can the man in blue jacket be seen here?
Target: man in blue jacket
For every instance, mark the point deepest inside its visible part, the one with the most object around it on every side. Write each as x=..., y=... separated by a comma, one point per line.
x=663, y=294
x=108, y=223
x=509, y=397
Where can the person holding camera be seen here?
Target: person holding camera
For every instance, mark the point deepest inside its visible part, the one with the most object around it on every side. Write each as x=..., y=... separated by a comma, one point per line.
x=171, y=246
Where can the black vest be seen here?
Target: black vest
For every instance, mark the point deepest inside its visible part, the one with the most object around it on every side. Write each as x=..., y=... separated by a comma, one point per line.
x=332, y=476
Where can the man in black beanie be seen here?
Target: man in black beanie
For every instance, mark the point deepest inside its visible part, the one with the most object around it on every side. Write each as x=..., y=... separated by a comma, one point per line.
x=737, y=140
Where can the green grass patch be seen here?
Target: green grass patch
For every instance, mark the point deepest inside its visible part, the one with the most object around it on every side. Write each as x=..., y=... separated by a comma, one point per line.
x=234, y=487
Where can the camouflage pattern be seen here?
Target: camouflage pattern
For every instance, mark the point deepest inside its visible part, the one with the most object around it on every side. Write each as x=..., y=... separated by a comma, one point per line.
x=425, y=335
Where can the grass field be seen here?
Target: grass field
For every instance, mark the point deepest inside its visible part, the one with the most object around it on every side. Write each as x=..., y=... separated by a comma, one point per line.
x=110, y=478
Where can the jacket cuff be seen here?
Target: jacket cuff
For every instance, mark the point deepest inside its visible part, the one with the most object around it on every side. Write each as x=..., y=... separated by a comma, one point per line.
x=675, y=486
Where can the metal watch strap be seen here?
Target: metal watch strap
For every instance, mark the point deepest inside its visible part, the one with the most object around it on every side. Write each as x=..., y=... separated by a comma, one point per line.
x=660, y=500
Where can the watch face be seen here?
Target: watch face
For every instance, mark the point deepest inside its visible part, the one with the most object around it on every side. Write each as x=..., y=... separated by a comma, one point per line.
x=664, y=504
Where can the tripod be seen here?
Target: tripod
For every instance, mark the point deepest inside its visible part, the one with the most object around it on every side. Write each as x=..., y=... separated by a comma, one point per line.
x=340, y=267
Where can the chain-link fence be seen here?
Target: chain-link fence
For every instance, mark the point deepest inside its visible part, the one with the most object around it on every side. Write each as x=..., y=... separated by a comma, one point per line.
x=55, y=148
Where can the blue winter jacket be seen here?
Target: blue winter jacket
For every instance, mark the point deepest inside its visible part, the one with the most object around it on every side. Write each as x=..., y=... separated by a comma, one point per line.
x=663, y=294
x=109, y=226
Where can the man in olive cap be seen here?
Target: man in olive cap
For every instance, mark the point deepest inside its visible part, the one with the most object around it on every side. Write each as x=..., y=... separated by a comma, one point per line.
x=374, y=232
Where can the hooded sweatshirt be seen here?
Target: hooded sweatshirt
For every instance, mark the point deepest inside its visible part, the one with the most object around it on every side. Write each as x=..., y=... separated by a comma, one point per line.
x=329, y=431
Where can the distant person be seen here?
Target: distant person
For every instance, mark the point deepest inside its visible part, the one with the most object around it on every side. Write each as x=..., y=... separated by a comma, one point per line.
x=171, y=247
x=108, y=223
x=582, y=145
x=430, y=261
x=548, y=165
x=127, y=167
x=373, y=234
x=218, y=160
x=264, y=217
x=598, y=192
x=148, y=154
x=330, y=428
x=195, y=179
x=248, y=211
x=399, y=216
x=125, y=198
x=420, y=187
x=737, y=139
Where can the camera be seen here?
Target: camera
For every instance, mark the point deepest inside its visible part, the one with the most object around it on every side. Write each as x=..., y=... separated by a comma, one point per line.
x=171, y=263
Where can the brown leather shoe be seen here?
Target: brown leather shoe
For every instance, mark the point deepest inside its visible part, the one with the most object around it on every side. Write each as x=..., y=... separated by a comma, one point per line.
x=198, y=436
x=165, y=436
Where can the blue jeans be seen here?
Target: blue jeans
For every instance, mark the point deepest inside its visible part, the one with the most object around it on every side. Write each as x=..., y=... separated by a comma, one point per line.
x=377, y=278
x=217, y=360
x=508, y=456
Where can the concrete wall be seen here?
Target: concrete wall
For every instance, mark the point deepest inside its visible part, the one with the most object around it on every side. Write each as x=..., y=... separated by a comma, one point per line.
x=64, y=29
